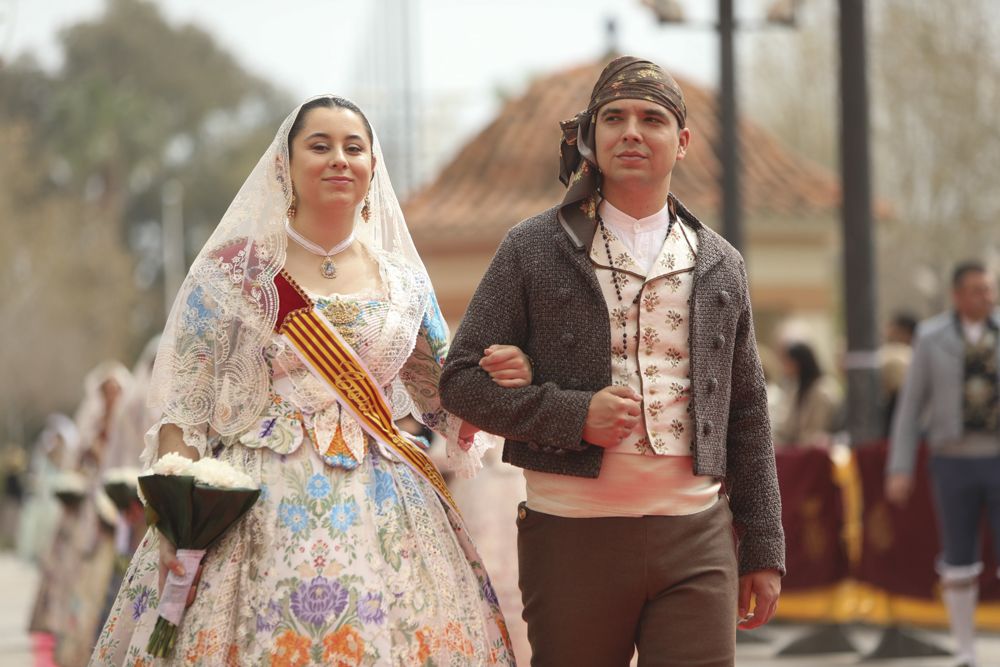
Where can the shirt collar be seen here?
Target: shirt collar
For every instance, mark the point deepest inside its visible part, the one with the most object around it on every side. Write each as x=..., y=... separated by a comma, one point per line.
x=624, y=221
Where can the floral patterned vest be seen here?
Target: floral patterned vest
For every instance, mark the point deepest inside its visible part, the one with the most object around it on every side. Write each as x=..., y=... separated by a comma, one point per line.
x=981, y=392
x=652, y=313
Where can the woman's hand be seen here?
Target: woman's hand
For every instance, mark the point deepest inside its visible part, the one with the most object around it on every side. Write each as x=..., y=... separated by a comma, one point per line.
x=466, y=433
x=507, y=365
x=169, y=563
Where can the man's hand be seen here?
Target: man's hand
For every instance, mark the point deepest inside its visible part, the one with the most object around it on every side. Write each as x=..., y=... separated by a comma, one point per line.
x=898, y=487
x=507, y=365
x=765, y=587
x=613, y=413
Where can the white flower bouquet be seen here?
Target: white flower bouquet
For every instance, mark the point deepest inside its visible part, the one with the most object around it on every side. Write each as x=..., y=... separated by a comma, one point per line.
x=193, y=504
x=69, y=487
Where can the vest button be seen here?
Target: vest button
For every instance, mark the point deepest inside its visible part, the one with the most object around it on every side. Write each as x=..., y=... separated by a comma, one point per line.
x=713, y=384
x=724, y=297
x=706, y=429
x=719, y=341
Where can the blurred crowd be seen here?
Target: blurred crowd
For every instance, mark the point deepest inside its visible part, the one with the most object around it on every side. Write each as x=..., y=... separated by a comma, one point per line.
x=71, y=507
x=806, y=397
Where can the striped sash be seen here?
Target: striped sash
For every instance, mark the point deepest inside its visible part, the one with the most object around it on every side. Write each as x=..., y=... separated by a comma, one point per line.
x=334, y=362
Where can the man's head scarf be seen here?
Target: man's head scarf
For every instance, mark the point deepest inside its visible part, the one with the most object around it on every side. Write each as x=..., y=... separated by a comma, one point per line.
x=624, y=77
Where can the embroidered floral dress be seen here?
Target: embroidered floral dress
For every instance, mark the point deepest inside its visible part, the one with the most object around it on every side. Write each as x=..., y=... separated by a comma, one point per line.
x=349, y=557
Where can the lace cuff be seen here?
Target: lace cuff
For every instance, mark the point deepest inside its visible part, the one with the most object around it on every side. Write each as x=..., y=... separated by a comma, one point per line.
x=194, y=436
x=467, y=463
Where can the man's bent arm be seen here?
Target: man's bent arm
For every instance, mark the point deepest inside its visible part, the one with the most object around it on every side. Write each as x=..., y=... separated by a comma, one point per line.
x=498, y=314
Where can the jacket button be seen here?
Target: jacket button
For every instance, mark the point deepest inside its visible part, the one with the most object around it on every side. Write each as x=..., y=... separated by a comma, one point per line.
x=719, y=341
x=568, y=339
x=713, y=384
x=706, y=429
x=724, y=298
x=522, y=513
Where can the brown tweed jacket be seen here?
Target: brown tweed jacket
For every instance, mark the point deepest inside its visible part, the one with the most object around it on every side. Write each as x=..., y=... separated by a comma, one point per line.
x=541, y=294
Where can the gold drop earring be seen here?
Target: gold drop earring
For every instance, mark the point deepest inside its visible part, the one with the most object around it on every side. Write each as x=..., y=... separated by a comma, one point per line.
x=366, y=210
x=292, y=207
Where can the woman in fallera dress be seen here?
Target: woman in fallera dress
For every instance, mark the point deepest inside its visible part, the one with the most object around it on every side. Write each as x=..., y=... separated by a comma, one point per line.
x=351, y=556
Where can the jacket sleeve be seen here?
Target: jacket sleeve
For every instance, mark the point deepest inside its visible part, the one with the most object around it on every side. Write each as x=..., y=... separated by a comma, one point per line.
x=751, y=477
x=905, y=433
x=542, y=414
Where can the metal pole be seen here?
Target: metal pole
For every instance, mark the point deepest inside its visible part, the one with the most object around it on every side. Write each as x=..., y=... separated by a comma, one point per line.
x=172, y=200
x=729, y=136
x=859, y=265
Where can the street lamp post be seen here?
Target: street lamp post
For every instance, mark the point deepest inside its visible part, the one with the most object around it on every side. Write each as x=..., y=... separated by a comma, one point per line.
x=727, y=144
x=859, y=266
x=729, y=134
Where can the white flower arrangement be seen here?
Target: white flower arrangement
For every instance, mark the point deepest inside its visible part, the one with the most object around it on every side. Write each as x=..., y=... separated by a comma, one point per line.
x=70, y=482
x=207, y=472
x=183, y=498
x=172, y=464
x=218, y=474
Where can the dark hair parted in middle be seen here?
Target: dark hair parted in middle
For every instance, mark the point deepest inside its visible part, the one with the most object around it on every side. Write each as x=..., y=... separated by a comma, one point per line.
x=330, y=102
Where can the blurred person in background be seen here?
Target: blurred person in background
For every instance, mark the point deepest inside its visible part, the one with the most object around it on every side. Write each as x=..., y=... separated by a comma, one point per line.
x=89, y=552
x=631, y=425
x=350, y=555
x=13, y=467
x=55, y=446
x=952, y=393
x=813, y=401
x=121, y=465
x=894, y=359
x=777, y=397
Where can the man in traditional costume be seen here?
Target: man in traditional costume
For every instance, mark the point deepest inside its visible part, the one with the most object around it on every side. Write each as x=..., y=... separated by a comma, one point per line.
x=644, y=437
x=952, y=391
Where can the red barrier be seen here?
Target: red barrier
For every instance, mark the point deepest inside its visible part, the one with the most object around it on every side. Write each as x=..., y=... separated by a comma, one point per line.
x=812, y=513
x=900, y=544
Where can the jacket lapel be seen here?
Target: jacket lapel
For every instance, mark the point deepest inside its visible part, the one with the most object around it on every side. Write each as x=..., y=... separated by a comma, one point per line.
x=710, y=250
x=580, y=259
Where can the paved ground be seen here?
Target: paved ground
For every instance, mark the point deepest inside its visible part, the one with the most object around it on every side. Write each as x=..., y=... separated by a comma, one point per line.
x=18, y=581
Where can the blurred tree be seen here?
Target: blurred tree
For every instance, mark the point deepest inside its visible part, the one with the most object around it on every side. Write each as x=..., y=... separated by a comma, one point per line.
x=934, y=86
x=137, y=102
x=68, y=292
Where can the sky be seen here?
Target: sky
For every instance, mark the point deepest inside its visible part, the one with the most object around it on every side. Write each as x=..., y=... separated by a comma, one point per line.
x=463, y=51
x=464, y=45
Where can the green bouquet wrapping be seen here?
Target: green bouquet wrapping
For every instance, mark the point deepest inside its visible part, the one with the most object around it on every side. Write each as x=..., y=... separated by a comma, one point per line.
x=70, y=488
x=192, y=504
x=121, y=485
